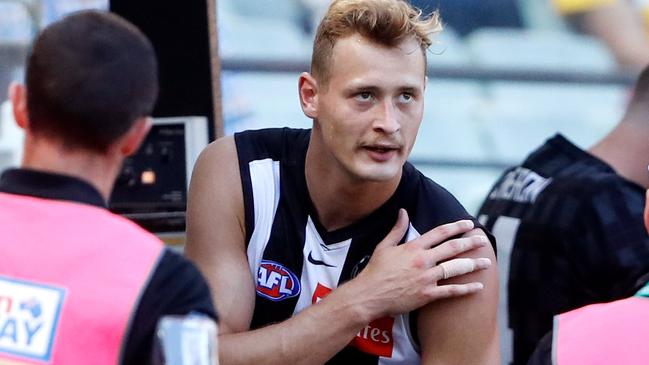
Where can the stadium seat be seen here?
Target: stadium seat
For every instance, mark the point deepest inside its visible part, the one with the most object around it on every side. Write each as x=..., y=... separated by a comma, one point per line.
x=541, y=15
x=11, y=138
x=262, y=100
x=15, y=22
x=261, y=39
x=15, y=35
x=524, y=49
x=520, y=116
x=262, y=30
x=470, y=186
x=448, y=49
x=286, y=11
x=450, y=128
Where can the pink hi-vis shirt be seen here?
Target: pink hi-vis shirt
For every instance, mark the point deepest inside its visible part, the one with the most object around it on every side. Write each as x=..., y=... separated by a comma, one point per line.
x=610, y=333
x=70, y=278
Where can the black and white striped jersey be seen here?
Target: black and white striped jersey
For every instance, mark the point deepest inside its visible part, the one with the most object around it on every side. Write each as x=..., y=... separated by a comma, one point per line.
x=296, y=262
x=569, y=232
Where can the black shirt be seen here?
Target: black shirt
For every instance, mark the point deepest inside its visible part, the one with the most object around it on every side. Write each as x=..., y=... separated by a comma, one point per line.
x=175, y=287
x=543, y=353
x=576, y=237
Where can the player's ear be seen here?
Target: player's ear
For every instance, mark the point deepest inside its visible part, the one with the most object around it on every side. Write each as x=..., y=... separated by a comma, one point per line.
x=308, y=89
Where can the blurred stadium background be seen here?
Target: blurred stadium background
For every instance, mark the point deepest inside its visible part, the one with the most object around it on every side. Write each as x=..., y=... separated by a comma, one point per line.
x=495, y=91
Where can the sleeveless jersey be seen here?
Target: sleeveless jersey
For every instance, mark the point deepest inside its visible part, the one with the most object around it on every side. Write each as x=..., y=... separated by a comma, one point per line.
x=296, y=262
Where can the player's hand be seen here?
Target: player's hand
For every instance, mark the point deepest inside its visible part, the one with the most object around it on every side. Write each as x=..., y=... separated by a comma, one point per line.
x=401, y=278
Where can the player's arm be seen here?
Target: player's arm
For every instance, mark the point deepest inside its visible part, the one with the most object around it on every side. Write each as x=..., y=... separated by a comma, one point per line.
x=463, y=330
x=216, y=242
x=215, y=234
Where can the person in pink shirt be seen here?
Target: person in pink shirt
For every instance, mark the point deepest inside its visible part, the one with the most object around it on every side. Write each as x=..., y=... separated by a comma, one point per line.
x=608, y=333
x=78, y=284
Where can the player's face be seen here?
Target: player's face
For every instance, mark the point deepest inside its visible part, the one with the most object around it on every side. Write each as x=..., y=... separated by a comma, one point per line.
x=369, y=113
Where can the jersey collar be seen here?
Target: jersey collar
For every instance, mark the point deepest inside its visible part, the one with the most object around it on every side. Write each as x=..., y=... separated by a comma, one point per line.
x=47, y=185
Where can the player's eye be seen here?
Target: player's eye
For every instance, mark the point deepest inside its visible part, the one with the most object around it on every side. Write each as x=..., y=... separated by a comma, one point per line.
x=363, y=96
x=406, y=98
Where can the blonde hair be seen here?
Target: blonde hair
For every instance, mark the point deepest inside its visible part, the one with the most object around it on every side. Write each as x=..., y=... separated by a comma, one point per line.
x=386, y=22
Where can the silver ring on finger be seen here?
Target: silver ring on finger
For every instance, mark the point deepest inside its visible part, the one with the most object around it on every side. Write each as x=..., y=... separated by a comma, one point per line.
x=445, y=274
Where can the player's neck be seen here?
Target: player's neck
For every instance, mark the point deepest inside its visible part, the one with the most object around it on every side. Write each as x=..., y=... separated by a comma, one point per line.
x=339, y=199
x=97, y=169
x=625, y=148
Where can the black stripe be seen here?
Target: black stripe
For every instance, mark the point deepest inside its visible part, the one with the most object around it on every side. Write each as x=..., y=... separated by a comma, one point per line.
x=243, y=154
x=350, y=355
x=278, y=144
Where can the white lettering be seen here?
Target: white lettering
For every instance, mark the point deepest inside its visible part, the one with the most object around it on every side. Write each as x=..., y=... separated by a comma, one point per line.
x=374, y=334
x=282, y=287
x=268, y=280
x=273, y=279
x=386, y=337
x=262, y=276
x=520, y=185
x=363, y=332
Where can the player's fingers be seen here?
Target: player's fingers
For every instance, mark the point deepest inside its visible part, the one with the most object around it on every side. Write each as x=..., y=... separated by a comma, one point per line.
x=452, y=248
x=444, y=232
x=457, y=267
x=454, y=290
x=398, y=231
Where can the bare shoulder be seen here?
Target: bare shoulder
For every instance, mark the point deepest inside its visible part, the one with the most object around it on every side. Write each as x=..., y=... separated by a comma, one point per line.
x=215, y=195
x=218, y=156
x=468, y=323
x=216, y=233
x=215, y=187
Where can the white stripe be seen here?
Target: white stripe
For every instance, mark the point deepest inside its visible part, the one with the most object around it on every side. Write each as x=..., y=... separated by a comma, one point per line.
x=555, y=339
x=313, y=274
x=264, y=177
x=505, y=229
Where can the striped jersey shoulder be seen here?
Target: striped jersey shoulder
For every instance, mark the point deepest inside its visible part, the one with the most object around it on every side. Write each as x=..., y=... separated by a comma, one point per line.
x=279, y=144
x=428, y=203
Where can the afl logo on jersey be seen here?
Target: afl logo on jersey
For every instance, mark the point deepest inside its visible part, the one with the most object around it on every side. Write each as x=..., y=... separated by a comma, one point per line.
x=276, y=282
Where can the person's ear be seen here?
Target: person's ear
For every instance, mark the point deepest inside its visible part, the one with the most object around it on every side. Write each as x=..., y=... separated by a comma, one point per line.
x=131, y=141
x=18, y=99
x=308, y=90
